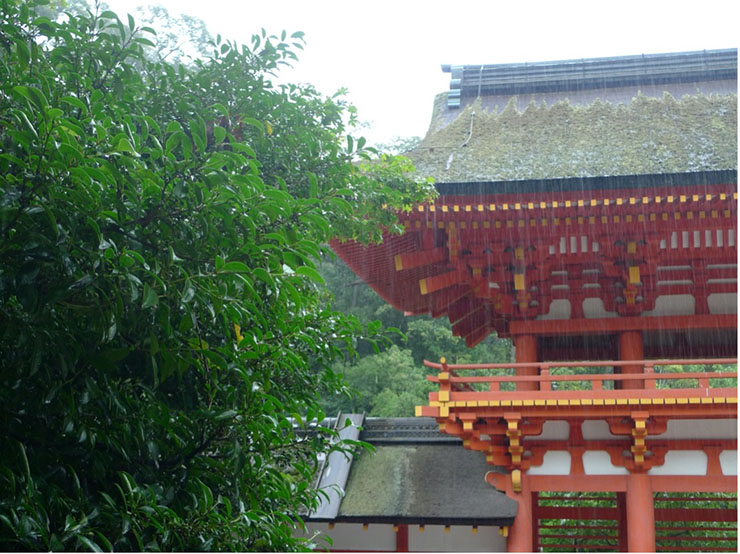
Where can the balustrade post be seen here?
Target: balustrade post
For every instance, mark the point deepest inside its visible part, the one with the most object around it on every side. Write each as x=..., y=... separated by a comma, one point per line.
x=525, y=348
x=630, y=348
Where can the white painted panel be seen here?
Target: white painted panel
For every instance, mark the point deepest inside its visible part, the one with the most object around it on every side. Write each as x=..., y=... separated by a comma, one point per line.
x=728, y=462
x=554, y=462
x=598, y=462
x=594, y=308
x=458, y=539
x=351, y=536
x=559, y=309
x=682, y=462
x=722, y=303
x=596, y=429
x=673, y=304
x=552, y=430
x=700, y=429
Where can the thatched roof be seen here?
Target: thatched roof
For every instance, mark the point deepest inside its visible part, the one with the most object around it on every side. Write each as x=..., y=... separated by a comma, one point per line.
x=653, y=114
x=647, y=135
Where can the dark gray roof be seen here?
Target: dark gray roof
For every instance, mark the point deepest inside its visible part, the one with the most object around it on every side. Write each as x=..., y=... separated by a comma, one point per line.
x=418, y=475
x=590, y=73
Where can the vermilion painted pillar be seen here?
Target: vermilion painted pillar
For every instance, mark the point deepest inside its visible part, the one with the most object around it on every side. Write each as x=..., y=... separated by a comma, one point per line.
x=525, y=349
x=402, y=538
x=520, y=534
x=640, y=514
x=622, y=522
x=630, y=348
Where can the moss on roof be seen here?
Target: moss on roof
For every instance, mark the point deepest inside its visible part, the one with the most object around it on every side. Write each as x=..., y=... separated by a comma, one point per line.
x=648, y=135
x=423, y=483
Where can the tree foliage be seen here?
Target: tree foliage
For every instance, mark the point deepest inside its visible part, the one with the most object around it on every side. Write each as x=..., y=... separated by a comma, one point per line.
x=163, y=325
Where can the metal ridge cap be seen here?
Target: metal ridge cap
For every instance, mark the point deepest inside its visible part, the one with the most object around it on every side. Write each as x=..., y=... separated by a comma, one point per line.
x=727, y=54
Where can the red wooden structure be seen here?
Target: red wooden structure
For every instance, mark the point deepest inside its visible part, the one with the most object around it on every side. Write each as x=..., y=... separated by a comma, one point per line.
x=617, y=420
x=631, y=277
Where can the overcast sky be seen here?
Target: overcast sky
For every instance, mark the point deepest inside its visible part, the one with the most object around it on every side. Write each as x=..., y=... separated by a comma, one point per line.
x=388, y=53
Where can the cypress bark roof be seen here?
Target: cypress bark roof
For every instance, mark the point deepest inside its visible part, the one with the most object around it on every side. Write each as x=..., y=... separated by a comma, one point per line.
x=666, y=113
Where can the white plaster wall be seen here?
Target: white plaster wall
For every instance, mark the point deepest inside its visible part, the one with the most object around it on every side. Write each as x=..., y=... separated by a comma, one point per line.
x=554, y=462
x=593, y=308
x=728, y=462
x=673, y=304
x=459, y=539
x=722, y=303
x=559, y=309
x=700, y=429
x=552, y=430
x=682, y=462
x=596, y=429
x=350, y=536
x=598, y=462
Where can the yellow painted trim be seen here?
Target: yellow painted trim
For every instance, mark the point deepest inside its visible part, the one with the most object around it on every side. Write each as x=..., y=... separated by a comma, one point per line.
x=554, y=204
x=695, y=197
x=417, y=411
x=606, y=201
x=539, y=402
x=657, y=400
x=731, y=400
x=516, y=402
x=495, y=403
x=670, y=400
x=506, y=402
x=646, y=400
x=598, y=401
x=706, y=400
x=467, y=208
x=621, y=401
x=445, y=208
x=633, y=401
x=682, y=400
x=471, y=404
x=444, y=396
x=435, y=404
x=423, y=286
x=484, y=403
x=609, y=401
x=455, y=208
x=587, y=401
x=551, y=402
x=562, y=402
x=492, y=207
x=574, y=401
x=682, y=198
x=398, y=261
x=432, y=207
x=694, y=400
x=689, y=215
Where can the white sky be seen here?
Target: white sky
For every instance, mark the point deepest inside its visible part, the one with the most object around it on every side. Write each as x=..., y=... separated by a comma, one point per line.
x=388, y=53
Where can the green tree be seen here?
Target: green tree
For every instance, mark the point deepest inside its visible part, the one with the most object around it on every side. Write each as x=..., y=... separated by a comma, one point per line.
x=387, y=384
x=163, y=327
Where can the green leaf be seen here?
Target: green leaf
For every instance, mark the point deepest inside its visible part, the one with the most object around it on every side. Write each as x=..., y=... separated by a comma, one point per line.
x=311, y=273
x=150, y=298
x=76, y=102
x=236, y=267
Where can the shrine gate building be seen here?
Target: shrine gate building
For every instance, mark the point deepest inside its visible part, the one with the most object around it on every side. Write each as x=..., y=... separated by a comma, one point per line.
x=587, y=209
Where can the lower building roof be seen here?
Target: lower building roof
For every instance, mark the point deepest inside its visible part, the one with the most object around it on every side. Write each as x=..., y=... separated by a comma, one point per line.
x=417, y=475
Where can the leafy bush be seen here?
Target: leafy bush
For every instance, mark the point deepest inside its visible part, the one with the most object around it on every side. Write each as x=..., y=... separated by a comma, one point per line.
x=163, y=327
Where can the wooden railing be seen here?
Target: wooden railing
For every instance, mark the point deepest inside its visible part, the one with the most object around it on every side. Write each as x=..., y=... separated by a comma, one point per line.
x=451, y=380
